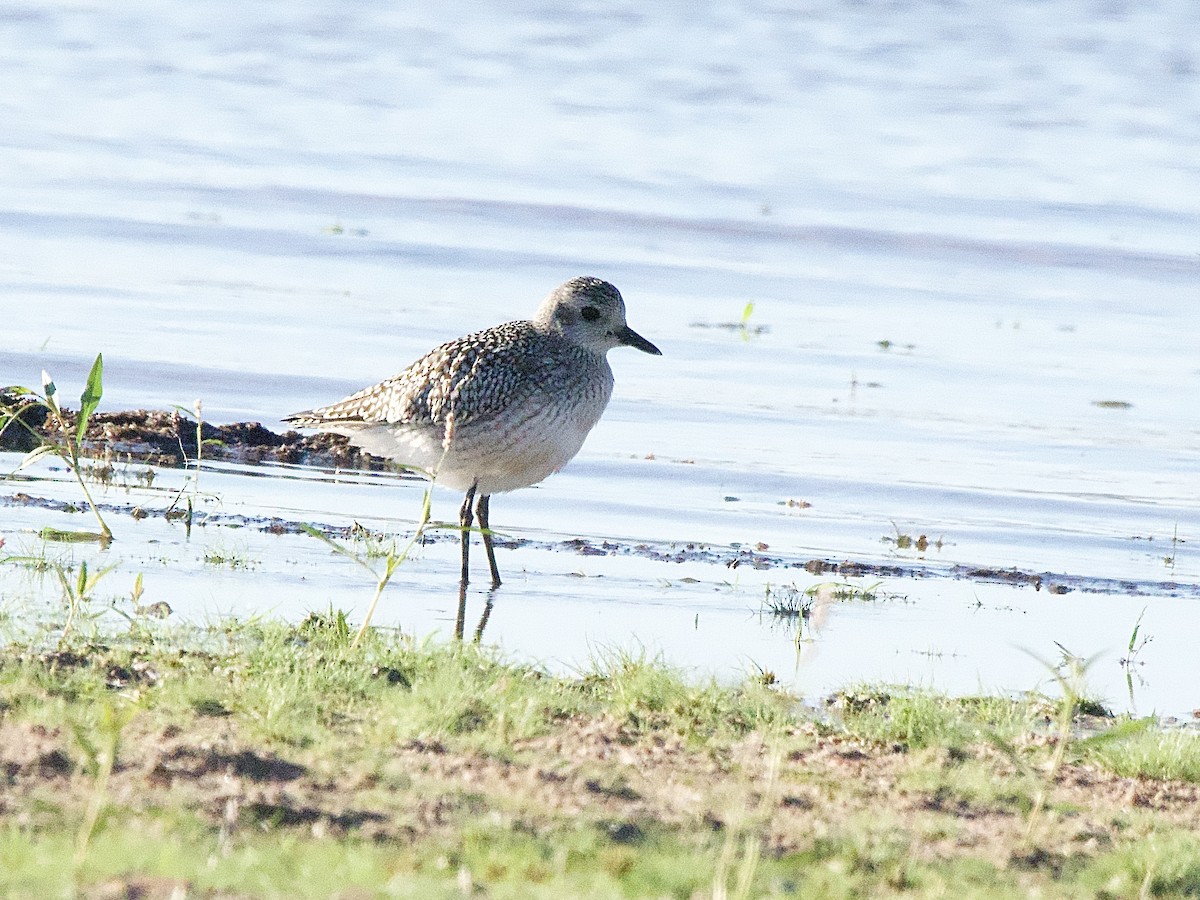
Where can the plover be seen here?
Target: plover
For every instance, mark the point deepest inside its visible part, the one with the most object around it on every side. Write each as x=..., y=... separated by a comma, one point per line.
x=496, y=410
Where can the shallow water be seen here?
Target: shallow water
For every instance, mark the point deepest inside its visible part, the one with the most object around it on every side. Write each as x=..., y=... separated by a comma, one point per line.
x=962, y=229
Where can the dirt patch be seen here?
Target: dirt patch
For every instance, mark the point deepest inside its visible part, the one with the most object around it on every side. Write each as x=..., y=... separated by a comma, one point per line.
x=184, y=761
x=140, y=888
x=592, y=771
x=32, y=753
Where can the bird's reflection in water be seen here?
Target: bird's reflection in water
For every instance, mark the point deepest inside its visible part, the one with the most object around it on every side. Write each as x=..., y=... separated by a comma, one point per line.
x=460, y=620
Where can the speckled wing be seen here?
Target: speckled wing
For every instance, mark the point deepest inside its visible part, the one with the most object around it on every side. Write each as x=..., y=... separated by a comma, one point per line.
x=474, y=377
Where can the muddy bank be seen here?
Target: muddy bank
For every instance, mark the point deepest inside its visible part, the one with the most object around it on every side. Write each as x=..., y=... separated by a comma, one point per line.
x=170, y=438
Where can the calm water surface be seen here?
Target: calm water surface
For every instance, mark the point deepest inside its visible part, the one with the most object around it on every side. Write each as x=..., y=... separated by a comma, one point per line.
x=970, y=235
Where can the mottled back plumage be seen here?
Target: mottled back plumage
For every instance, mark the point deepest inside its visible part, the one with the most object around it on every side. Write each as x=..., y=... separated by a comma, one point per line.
x=470, y=378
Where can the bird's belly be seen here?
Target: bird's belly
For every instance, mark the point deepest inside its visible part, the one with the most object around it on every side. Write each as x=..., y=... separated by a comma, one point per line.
x=499, y=454
x=515, y=453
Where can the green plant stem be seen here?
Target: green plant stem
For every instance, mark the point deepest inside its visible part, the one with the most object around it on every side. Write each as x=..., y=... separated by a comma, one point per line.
x=104, y=757
x=392, y=561
x=106, y=535
x=96, y=804
x=72, y=604
x=391, y=564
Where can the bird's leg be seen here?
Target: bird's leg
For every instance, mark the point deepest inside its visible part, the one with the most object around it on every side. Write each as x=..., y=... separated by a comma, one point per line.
x=481, y=512
x=464, y=522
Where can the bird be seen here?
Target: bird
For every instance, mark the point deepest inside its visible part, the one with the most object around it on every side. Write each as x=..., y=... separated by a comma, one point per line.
x=498, y=409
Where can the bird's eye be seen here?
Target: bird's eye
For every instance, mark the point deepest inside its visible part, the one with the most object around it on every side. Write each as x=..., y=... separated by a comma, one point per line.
x=589, y=313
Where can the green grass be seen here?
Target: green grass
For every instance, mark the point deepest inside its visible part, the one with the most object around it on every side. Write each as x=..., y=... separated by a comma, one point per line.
x=1140, y=750
x=645, y=694
x=916, y=718
x=266, y=760
x=228, y=557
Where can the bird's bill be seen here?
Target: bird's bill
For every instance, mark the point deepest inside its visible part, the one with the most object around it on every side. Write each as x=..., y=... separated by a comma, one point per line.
x=631, y=338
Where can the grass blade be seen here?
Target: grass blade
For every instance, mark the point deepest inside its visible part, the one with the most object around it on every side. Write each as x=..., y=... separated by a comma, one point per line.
x=311, y=531
x=90, y=398
x=34, y=455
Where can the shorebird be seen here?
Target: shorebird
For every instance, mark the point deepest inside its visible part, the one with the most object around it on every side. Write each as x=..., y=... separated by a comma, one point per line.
x=498, y=409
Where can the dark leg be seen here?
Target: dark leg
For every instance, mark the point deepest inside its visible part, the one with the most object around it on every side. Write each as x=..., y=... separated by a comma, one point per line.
x=481, y=511
x=464, y=521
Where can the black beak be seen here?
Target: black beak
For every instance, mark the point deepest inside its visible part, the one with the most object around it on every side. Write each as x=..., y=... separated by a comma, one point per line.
x=631, y=338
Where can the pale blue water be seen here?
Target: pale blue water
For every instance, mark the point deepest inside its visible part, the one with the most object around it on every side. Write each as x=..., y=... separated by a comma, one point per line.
x=270, y=207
